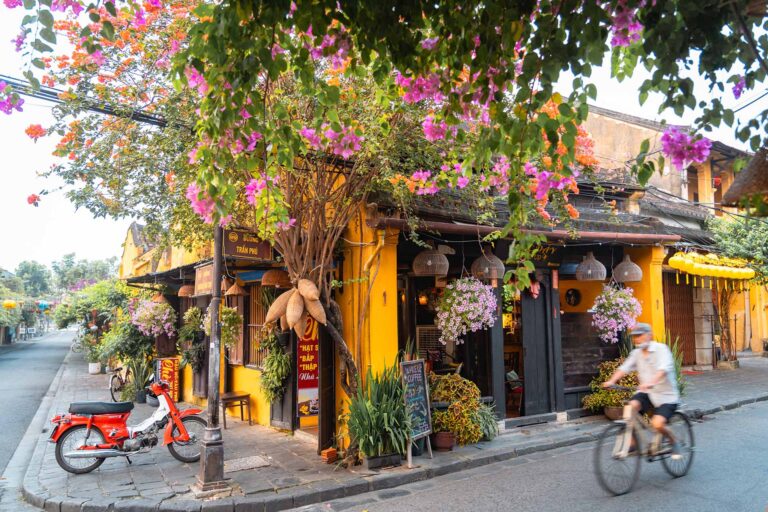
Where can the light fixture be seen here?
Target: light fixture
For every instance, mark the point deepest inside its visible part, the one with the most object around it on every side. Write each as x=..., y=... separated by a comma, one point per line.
x=430, y=262
x=234, y=291
x=159, y=298
x=627, y=271
x=226, y=282
x=590, y=269
x=277, y=278
x=423, y=299
x=188, y=290
x=488, y=266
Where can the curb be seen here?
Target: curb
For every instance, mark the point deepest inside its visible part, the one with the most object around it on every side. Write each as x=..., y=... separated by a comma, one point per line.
x=16, y=473
x=316, y=492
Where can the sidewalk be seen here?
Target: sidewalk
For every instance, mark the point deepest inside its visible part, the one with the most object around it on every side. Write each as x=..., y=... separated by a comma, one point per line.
x=290, y=473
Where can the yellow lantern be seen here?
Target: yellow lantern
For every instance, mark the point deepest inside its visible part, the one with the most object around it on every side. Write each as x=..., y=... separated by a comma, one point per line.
x=686, y=265
x=697, y=269
x=750, y=273
x=9, y=304
x=676, y=261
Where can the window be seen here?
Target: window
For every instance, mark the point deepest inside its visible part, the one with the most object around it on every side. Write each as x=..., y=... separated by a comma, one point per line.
x=237, y=352
x=257, y=314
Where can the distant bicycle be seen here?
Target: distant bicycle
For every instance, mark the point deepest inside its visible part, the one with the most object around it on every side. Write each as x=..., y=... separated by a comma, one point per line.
x=77, y=344
x=620, y=448
x=118, y=382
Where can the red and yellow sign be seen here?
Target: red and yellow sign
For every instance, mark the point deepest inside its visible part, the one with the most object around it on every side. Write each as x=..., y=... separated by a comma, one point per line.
x=168, y=371
x=308, y=373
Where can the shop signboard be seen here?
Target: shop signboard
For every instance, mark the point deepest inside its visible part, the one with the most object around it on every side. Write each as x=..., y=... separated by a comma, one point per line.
x=204, y=280
x=168, y=371
x=245, y=245
x=417, y=397
x=308, y=374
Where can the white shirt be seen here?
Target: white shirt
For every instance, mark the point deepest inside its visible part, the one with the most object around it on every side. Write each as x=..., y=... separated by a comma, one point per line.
x=658, y=358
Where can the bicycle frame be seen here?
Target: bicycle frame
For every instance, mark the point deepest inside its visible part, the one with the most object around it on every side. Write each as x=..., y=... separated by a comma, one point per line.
x=636, y=424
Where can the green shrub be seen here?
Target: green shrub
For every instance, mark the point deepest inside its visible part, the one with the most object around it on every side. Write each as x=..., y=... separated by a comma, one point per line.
x=462, y=416
x=601, y=397
x=277, y=367
x=377, y=418
x=485, y=416
x=190, y=341
x=677, y=354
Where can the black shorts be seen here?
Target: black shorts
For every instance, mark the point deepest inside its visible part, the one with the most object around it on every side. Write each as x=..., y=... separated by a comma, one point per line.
x=666, y=410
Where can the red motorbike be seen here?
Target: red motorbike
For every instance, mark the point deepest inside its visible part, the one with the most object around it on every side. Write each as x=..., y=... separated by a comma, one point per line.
x=94, y=431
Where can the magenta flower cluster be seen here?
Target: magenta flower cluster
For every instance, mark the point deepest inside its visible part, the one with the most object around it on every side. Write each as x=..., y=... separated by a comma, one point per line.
x=154, y=318
x=344, y=143
x=615, y=310
x=7, y=102
x=683, y=149
x=626, y=28
x=467, y=305
x=738, y=87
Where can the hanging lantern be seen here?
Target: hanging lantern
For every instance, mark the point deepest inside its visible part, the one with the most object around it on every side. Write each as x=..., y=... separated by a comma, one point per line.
x=627, y=271
x=277, y=278
x=159, y=298
x=488, y=266
x=235, y=290
x=590, y=269
x=225, y=284
x=9, y=304
x=188, y=290
x=676, y=261
x=430, y=262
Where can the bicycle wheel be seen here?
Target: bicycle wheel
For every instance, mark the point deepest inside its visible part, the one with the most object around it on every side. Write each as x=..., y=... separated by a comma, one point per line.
x=115, y=387
x=681, y=428
x=616, y=474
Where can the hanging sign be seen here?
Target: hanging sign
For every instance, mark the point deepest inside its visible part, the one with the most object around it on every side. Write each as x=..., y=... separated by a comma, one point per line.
x=245, y=245
x=308, y=374
x=168, y=371
x=417, y=397
x=204, y=280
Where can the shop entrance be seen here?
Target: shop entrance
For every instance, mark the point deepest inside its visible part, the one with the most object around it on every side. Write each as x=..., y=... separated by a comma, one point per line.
x=678, y=315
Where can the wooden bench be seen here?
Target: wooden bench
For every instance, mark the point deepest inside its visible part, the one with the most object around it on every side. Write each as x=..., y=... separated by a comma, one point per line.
x=233, y=399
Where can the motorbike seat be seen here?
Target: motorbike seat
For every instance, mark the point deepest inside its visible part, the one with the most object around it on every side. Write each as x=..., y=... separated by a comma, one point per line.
x=100, y=407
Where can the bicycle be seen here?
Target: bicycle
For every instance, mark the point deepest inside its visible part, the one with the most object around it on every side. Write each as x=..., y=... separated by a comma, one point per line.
x=77, y=344
x=117, y=382
x=617, y=459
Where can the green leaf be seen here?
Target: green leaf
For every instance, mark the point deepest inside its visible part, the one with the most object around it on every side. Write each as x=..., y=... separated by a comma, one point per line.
x=48, y=35
x=46, y=18
x=645, y=146
x=108, y=30
x=644, y=173
x=41, y=46
x=38, y=63
x=110, y=7
x=29, y=4
x=94, y=16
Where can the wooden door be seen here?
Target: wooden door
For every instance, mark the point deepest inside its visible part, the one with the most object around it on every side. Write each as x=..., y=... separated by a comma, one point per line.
x=283, y=411
x=678, y=316
x=536, y=352
x=327, y=418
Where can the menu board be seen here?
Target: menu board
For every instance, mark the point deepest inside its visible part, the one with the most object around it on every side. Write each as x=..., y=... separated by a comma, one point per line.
x=308, y=374
x=417, y=397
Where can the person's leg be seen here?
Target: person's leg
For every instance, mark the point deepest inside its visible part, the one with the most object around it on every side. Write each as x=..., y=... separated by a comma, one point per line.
x=659, y=423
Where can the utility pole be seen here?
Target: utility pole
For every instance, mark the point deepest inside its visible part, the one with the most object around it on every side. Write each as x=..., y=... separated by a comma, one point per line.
x=211, y=476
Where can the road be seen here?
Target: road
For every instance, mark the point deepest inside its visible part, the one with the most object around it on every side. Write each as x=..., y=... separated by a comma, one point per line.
x=728, y=473
x=26, y=372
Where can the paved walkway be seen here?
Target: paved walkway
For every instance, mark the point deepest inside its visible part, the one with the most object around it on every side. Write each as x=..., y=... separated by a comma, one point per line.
x=295, y=476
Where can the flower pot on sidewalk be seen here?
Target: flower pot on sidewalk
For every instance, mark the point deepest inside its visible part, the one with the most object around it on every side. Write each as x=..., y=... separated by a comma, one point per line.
x=94, y=368
x=382, y=461
x=141, y=397
x=444, y=441
x=613, y=413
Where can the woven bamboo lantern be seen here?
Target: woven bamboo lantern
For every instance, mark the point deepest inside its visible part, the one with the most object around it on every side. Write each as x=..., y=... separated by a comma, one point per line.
x=590, y=269
x=276, y=278
x=159, y=298
x=430, y=262
x=188, y=290
x=235, y=291
x=627, y=271
x=226, y=283
x=488, y=266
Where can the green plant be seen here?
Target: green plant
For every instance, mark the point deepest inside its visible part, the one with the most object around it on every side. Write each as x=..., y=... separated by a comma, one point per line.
x=93, y=353
x=190, y=343
x=601, y=397
x=485, y=416
x=677, y=354
x=277, y=367
x=461, y=417
x=141, y=372
x=128, y=393
x=377, y=418
x=231, y=325
x=125, y=342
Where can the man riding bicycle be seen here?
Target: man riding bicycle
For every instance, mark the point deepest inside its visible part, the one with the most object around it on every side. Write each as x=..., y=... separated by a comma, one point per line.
x=657, y=392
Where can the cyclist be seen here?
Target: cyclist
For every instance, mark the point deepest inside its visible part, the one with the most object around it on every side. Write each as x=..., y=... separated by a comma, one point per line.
x=658, y=383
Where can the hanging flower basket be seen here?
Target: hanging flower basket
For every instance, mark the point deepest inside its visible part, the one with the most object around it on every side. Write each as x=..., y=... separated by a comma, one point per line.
x=154, y=318
x=615, y=310
x=467, y=305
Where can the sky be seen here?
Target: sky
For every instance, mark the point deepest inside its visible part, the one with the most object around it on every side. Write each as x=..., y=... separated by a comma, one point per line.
x=54, y=228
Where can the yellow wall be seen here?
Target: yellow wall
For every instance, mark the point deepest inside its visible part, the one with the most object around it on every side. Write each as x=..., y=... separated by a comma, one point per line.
x=589, y=292
x=650, y=290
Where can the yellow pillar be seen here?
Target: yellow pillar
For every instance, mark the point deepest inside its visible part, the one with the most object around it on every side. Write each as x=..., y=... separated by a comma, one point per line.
x=704, y=174
x=650, y=291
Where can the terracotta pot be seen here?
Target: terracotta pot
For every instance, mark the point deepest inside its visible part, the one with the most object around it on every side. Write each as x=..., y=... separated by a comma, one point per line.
x=444, y=440
x=614, y=413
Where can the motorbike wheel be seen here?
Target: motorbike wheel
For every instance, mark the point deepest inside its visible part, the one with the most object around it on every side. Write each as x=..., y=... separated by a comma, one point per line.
x=115, y=387
x=189, y=451
x=73, y=439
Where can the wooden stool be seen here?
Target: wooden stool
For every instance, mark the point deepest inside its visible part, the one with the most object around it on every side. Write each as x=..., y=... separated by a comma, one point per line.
x=235, y=398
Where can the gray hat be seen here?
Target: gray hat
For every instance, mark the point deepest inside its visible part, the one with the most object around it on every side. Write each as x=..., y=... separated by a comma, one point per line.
x=640, y=328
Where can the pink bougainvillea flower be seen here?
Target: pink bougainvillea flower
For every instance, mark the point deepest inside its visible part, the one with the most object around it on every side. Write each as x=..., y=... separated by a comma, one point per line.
x=196, y=80
x=277, y=50
x=98, y=58
x=738, y=88
x=19, y=41
x=253, y=189
x=430, y=43
x=309, y=134
x=201, y=203
x=253, y=139
x=284, y=226
x=12, y=4
x=626, y=28
x=63, y=5
x=434, y=131
x=33, y=199
x=682, y=149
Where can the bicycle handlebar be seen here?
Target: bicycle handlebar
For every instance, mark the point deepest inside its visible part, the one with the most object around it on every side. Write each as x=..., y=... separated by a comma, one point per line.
x=616, y=387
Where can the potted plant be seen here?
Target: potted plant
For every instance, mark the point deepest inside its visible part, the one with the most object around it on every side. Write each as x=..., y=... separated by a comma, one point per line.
x=609, y=401
x=616, y=309
x=154, y=318
x=231, y=325
x=190, y=341
x=141, y=369
x=466, y=305
x=377, y=420
x=455, y=420
x=277, y=367
x=92, y=353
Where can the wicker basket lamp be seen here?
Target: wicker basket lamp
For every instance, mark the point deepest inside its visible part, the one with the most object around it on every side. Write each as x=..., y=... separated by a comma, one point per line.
x=752, y=181
x=590, y=269
x=627, y=271
x=277, y=278
x=235, y=290
x=488, y=266
x=188, y=290
x=430, y=262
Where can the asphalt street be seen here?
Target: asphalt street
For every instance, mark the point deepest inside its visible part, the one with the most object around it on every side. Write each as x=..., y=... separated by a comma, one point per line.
x=728, y=473
x=26, y=372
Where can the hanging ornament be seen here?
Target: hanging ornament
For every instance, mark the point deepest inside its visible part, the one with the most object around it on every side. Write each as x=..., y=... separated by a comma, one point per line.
x=627, y=271
x=590, y=269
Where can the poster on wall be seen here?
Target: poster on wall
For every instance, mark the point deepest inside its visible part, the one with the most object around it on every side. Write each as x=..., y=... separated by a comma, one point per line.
x=168, y=371
x=308, y=374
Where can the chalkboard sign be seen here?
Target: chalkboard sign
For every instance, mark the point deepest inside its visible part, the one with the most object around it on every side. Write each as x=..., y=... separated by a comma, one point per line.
x=417, y=397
